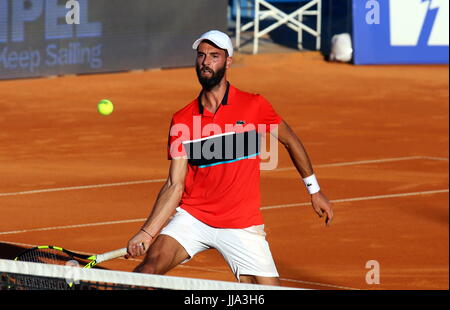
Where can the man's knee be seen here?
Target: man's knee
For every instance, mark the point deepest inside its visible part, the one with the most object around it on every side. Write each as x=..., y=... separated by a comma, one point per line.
x=153, y=263
x=162, y=256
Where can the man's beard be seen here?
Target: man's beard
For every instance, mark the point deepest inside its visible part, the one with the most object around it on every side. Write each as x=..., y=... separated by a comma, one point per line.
x=209, y=83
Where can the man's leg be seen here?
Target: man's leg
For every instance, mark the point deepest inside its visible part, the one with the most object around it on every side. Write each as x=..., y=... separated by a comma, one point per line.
x=260, y=280
x=248, y=254
x=163, y=255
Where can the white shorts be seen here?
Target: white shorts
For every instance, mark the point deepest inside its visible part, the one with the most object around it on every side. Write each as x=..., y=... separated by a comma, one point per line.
x=245, y=250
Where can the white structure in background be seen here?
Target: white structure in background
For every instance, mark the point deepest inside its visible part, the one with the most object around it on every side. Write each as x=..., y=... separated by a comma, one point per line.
x=341, y=48
x=294, y=20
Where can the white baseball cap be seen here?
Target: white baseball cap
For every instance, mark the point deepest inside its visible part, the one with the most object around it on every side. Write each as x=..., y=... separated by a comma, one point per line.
x=219, y=38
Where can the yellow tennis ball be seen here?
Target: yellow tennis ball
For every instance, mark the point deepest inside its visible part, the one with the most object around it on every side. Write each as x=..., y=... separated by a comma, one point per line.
x=105, y=107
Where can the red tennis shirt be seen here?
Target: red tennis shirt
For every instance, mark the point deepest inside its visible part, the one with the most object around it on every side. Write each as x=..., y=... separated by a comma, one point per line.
x=222, y=183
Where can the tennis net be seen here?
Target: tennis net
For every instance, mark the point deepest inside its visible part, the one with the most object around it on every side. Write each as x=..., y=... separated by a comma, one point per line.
x=17, y=275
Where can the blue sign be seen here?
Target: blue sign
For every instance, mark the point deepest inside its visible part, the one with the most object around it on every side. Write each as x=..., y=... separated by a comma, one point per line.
x=62, y=45
x=400, y=31
x=58, y=37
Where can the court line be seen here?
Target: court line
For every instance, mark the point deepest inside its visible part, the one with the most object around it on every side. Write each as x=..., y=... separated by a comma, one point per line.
x=200, y=268
x=373, y=161
x=72, y=226
x=350, y=163
x=282, y=279
x=435, y=158
x=431, y=192
x=321, y=284
x=71, y=188
x=360, y=199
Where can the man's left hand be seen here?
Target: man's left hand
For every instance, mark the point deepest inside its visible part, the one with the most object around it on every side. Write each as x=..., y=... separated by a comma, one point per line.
x=322, y=206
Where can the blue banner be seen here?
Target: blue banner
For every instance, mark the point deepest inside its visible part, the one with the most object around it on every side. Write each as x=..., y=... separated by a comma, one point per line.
x=400, y=31
x=57, y=37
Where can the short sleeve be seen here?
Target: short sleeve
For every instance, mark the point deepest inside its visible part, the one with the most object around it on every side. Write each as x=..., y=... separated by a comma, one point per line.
x=267, y=114
x=177, y=135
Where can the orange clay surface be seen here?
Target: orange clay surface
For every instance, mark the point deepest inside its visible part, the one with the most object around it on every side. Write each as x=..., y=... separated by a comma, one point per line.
x=377, y=137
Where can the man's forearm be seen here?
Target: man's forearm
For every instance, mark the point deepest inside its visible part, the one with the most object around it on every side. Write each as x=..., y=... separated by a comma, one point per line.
x=299, y=156
x=168, y=200
x=295, y=148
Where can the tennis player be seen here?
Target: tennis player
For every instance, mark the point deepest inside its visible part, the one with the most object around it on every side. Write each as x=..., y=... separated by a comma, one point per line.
x=211, y=198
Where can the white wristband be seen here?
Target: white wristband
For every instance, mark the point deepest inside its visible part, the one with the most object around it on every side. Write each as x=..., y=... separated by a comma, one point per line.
x=311, y=184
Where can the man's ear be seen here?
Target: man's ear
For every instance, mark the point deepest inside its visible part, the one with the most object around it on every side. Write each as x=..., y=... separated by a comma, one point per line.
x=229, y=62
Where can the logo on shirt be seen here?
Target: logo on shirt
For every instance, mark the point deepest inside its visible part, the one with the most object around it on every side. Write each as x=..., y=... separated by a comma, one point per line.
x=240, y=123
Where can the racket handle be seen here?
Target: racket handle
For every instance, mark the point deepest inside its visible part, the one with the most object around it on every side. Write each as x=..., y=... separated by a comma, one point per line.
x=111, y=255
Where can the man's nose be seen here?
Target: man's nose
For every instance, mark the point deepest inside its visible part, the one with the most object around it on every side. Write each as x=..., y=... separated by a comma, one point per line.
x=206, y=61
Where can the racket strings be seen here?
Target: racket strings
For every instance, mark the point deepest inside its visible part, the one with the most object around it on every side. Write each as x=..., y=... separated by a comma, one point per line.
x=47, y=256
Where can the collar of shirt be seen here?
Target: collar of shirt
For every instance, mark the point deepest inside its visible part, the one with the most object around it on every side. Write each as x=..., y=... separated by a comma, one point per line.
x=203, y=111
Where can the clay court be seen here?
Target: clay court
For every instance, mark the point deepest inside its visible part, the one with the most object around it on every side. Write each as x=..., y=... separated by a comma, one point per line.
x=377, y=137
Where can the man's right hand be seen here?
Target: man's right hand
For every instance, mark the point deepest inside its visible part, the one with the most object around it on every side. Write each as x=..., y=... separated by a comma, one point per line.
x=138, y=245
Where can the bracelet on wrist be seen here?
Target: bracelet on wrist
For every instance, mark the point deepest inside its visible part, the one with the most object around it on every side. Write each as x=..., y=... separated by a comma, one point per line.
x=142, y=229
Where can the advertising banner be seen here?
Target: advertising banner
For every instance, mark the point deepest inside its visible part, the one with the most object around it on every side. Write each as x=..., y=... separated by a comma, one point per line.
x=400, y=31
x=57, y=37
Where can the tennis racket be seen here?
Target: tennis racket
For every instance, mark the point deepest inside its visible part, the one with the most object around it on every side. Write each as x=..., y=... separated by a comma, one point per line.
x=48, y=254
